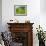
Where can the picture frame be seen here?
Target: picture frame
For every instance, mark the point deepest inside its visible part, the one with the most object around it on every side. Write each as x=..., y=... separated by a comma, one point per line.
x=20, y=10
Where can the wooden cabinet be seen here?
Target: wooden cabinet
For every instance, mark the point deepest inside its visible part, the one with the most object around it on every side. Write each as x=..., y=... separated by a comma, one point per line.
x=22, y=33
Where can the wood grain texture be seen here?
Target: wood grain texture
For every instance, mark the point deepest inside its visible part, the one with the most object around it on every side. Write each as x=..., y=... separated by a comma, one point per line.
x=23, y=27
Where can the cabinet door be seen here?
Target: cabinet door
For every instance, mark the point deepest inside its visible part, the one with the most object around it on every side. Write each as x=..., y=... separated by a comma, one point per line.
x=20, y=37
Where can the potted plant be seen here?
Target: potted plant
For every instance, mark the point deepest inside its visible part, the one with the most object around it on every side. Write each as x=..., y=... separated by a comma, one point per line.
x=41, y=36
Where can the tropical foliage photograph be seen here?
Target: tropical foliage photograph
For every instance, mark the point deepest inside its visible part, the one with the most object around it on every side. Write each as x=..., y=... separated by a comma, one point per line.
x=20, y=10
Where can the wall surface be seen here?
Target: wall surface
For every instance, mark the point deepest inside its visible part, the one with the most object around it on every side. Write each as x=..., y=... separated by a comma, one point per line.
x=43, y=6
x=34, y=14
x=33, y=11
x=43, y=14
x=0, y=15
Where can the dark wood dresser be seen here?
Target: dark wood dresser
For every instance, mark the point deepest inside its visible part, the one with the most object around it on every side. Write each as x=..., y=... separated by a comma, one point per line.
x=22, y=33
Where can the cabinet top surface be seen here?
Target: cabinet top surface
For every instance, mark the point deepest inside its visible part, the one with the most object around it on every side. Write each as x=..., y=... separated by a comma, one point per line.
x=19, y=23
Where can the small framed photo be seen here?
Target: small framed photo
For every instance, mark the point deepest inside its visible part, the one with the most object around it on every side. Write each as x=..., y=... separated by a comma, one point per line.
x=20, y=10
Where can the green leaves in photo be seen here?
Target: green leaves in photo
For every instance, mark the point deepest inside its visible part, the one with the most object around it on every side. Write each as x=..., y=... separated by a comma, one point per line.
x=20, y=10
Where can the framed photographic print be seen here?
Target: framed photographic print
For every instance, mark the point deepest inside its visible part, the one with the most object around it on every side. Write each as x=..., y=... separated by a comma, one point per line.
x=20, y=10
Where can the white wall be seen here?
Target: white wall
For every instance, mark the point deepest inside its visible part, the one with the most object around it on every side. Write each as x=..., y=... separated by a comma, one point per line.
x=0, y=15
x=33, y=10
x=43, y=14
x=43, y=6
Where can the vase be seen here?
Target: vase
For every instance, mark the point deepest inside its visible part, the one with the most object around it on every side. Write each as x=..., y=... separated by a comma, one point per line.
x=41, y=43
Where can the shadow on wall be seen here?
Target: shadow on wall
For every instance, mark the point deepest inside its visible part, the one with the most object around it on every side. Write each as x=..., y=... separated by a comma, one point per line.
x=43, y=6
x=0, y=23
x=0, y=15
